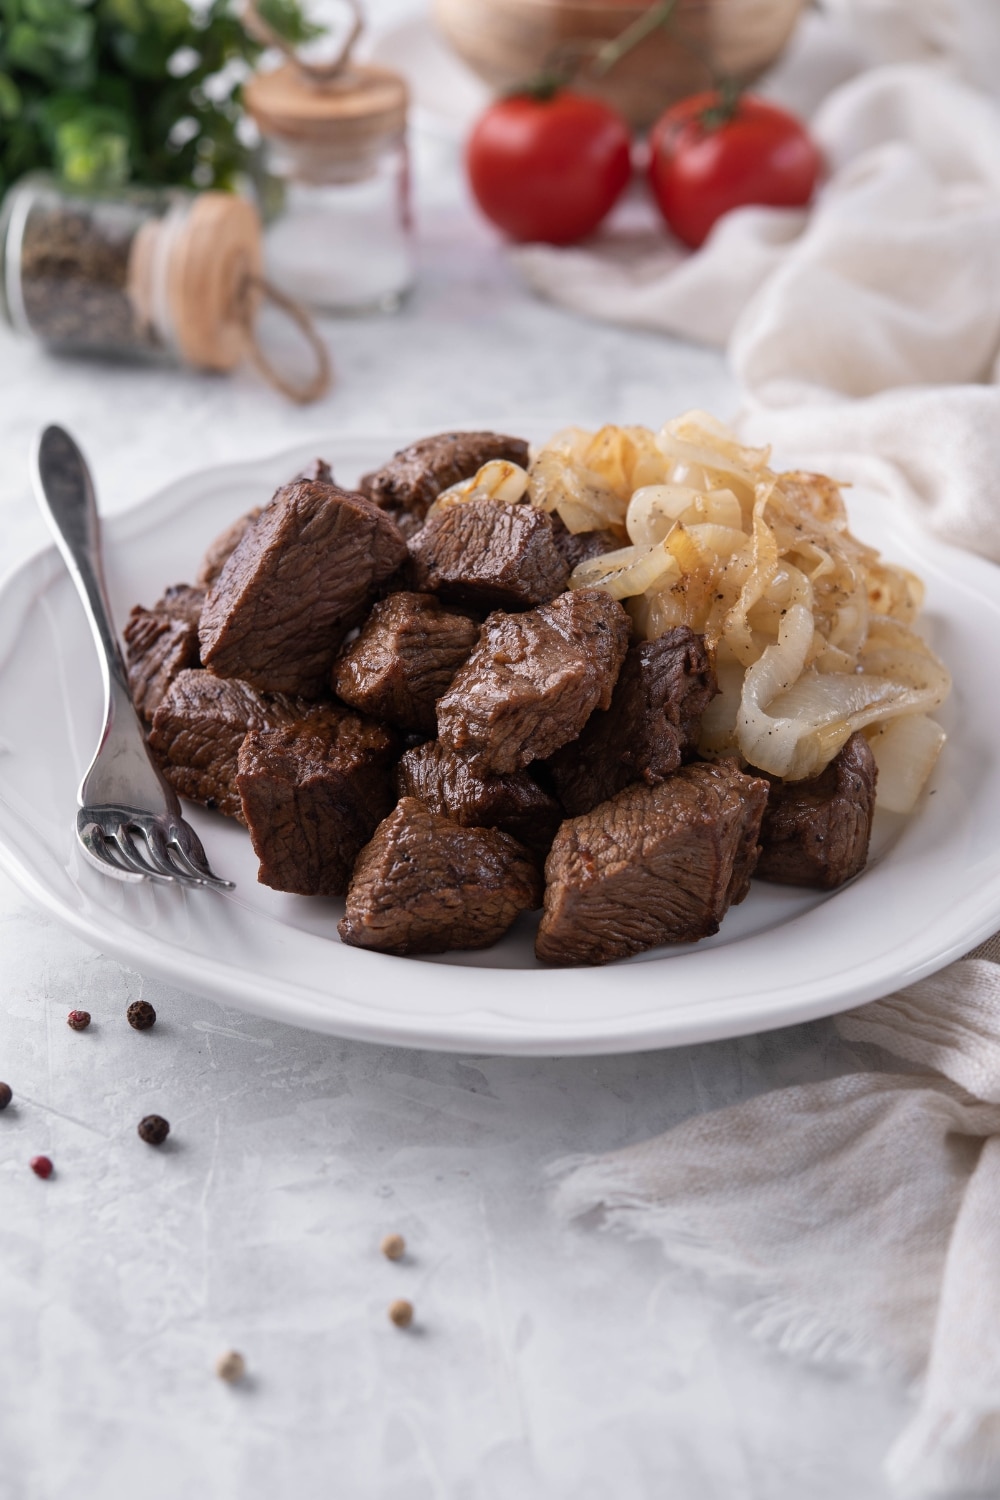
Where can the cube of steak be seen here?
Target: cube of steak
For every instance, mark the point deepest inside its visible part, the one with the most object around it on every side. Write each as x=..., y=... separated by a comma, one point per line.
x=580, y=546
x=489, y=556
x=200, y=724
x=426, y=885
x=181, y=602
x=533, y=681
x=415, y=476
x=407, y=653
x=157, y=648
x=312, y=795
x=514, y=803
x=317, y=471
x=224, y=546
x=652, y=725
x=816, y=832
x=302, y=575
x=159, y=643
x=656, y=864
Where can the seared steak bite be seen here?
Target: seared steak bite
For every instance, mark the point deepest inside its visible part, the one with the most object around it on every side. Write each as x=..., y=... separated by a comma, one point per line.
x=181, y=602
x=652, y=725
x=533, y=681
x=225, y=544
x=426, y=885
x=656, y=864
x=312, y=795
x=301, y=576
x=446, y=784
x=415, y=476
x=159, y=643
x=816, y=832
x=199, y=726
x=579, y=546
x=157, y=649
x=408, y=651
x=488, y=555
x=317, y=471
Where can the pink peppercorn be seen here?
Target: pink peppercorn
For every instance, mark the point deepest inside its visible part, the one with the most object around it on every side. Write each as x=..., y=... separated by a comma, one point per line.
x=41, y=1166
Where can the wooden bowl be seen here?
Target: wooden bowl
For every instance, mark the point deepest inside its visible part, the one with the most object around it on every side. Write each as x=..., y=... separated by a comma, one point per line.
x=509, y=41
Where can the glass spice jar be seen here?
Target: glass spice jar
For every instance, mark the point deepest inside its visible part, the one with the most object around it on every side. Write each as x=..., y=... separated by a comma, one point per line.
x=336, y=144
x=147, y=273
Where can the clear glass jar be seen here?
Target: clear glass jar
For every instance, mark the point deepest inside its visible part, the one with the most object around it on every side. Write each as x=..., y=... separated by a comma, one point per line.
x=342, y=239
x=144, y=273
x=135, y=273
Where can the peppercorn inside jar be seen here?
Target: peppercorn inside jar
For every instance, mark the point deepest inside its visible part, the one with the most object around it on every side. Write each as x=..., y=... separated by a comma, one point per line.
x=142, y=273
x=337, y=148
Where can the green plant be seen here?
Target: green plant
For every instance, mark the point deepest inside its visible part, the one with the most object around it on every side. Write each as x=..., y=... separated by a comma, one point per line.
x=105, y=92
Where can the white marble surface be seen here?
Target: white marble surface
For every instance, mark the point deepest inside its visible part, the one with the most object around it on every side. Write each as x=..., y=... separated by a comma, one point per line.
x=545, y=1362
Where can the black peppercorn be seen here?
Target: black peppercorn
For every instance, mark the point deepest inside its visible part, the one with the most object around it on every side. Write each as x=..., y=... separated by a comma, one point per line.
x=141, y=1015
x=78, y=1019
x=6, y=1095
x=153, y=1129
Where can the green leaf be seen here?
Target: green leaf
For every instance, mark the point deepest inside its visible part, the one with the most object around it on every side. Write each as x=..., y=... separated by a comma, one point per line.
x=10, y=98
x=92, y=152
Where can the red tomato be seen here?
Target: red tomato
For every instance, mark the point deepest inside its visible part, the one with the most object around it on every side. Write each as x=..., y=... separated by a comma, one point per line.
x=704, y=161
x=548, y=168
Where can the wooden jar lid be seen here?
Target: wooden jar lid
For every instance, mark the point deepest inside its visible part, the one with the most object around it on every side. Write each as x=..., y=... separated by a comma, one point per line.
x=356, y=108
x=215, y=258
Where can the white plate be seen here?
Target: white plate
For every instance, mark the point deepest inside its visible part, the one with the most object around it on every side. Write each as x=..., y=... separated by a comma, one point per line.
x=931, y=890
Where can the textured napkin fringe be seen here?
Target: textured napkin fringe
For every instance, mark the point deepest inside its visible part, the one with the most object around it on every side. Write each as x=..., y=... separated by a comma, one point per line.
x=791, y=1326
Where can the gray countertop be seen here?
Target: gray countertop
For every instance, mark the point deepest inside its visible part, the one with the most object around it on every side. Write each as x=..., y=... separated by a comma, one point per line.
x=545, y=1361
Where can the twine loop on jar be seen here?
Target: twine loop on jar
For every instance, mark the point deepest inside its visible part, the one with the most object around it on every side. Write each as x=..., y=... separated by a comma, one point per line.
x=251, y=292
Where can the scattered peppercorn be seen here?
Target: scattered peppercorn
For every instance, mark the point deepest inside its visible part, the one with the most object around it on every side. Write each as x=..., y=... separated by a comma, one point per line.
x=153, y=1129
x=401, y=1312
x=78, y=1019
x=6, y=1095
x=230, y=1367
x=141, y=1015
x=393, y=1247
x=41, y=1166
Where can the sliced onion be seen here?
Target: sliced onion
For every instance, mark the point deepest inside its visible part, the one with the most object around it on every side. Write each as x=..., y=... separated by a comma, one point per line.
x=905, y=752
x=498, y=480
x=626, y=571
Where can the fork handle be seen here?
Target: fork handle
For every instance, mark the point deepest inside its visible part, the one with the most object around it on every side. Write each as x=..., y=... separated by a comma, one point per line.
x=122, y=771
x=65, y=494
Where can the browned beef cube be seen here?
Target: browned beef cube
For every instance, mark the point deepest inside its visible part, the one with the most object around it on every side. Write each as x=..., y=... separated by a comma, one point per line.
x=159, y=643
x=404, y=659
x=533, y=681
x=181, y=602
x=515, y=803
x=580, y=546
x=816, y=832
x=489, y=556
x=302, y=575
x=656, y=864
x=652, y=724
x=312, y=795
x=415, y=476
x=317, y=471
x=157, y=648
x=199, y=727
x=426, y=885
x=225, y=544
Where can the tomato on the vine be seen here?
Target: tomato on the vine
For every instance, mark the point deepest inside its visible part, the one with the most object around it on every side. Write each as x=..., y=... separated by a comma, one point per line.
x=548, y=166
x=707, y=156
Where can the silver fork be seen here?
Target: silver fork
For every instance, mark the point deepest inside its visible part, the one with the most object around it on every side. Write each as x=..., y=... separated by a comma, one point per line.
x=129, y=823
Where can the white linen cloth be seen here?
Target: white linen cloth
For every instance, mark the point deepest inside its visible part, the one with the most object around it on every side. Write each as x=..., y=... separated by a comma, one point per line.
x=855, y=1220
